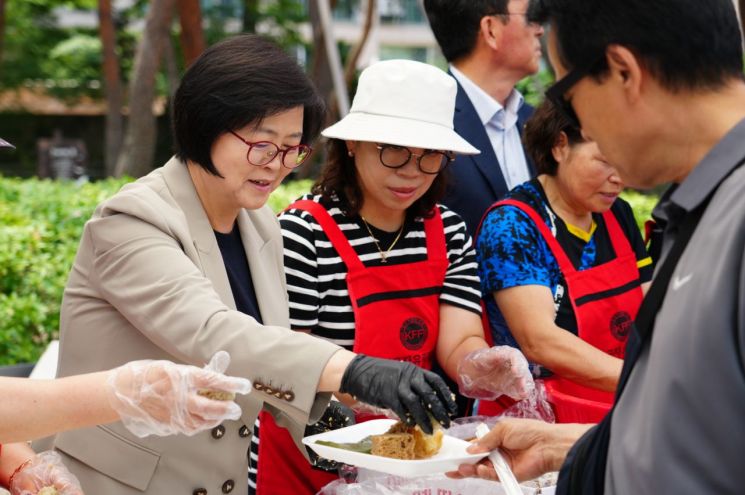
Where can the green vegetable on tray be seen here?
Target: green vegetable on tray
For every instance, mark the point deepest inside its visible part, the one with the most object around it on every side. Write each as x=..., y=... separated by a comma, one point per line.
x=364, y=446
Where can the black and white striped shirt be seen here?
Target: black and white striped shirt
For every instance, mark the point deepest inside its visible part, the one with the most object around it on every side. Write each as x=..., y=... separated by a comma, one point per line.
x=316, y=275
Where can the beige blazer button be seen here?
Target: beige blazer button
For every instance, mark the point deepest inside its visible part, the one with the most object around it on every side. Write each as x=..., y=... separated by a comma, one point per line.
x=200, y=491
x=244, y=431
x=228, y=486
x=218, y=432
x=289, y=396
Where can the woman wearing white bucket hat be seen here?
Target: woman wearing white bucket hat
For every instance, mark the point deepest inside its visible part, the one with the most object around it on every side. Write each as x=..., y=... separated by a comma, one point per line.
x=374, y=264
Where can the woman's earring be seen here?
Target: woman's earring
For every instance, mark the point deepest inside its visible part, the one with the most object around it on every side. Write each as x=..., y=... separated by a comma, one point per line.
x=350, y=153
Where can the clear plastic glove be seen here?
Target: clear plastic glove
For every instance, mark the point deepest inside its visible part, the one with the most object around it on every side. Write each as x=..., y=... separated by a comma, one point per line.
x=336, y=416
x=164, y=398
x=45, y=471
x=411, y=392
x=490, y=373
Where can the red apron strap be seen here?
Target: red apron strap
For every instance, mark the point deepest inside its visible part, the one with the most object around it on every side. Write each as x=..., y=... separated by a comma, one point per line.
x=332, y=231
x=435, y=235
x=565, y=265
x=618, y=239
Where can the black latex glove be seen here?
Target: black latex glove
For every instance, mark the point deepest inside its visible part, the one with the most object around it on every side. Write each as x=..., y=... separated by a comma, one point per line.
x=336, y=416
x=409, y=391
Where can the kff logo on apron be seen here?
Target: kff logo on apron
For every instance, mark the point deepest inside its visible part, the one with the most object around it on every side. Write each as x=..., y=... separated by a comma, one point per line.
x=620, y=325
x=413, y=333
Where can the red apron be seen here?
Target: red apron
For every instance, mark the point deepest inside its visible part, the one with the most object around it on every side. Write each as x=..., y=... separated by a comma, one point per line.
x=397, y=316
x=605, y=298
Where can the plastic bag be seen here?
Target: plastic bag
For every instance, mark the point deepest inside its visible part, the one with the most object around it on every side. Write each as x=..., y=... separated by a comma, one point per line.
x=360, y=481
x=465, y=428
x=424, y=485
x=536, y=406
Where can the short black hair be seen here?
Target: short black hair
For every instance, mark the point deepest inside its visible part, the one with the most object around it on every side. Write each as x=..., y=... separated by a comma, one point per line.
x=542, y=132
x=234, y=83
x=339, y=180
x=685, y=44
x=456, y=23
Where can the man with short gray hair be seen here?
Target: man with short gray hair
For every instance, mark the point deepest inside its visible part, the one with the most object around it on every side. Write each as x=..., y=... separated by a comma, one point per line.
x=660, y=87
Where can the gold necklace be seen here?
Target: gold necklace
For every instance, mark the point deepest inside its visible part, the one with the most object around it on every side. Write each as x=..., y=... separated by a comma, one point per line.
x=383, y=254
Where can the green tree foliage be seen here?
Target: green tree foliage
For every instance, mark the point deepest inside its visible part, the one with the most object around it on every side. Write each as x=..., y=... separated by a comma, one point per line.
x=41, y=222
x=30, y=35
x=76, y=59
x=287, y=193
x=283, y=18
x=40, y=226
x=66, y=61
x=534, y=87
x=279, y=19
x=642, y=203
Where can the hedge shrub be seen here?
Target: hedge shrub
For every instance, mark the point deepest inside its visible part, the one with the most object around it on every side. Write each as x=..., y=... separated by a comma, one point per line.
x=40, y=226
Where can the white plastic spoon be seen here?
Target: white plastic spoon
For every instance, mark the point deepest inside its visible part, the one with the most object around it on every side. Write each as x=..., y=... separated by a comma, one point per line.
x=506, y=477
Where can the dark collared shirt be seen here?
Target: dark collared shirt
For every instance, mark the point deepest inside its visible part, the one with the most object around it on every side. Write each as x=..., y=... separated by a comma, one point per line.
x=679, y=426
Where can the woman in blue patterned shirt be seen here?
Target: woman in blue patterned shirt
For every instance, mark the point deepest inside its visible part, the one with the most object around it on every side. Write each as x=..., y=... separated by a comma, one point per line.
x=562, y=264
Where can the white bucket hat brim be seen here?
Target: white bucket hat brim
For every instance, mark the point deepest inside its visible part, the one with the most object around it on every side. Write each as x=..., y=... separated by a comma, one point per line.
x=5, y=144
x=405, y=103
x=400, y=131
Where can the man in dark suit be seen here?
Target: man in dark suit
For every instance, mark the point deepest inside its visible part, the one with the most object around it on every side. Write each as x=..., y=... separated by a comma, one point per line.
x=490, y=46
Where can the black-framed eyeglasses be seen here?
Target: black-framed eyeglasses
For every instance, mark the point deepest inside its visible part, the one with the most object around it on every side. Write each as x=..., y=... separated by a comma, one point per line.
x=261, y=153
x=556, y=92
x=528, y=20
x=430, y=162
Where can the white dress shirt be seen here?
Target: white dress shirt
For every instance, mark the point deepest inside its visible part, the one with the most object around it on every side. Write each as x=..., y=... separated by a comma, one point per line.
x=500, y=124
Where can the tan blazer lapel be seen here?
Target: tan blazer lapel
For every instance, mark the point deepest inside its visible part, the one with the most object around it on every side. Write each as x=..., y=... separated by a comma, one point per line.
x=264, y=253
x=182, y=188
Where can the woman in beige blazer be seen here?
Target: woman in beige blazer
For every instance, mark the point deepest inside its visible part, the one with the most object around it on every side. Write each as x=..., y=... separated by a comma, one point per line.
x=188, y=261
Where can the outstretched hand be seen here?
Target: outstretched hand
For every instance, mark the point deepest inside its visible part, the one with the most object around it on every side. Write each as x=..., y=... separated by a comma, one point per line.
x=45, y=470
x=531, y=447
x=164, y=398
x=411, y=392
x=495, y=371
